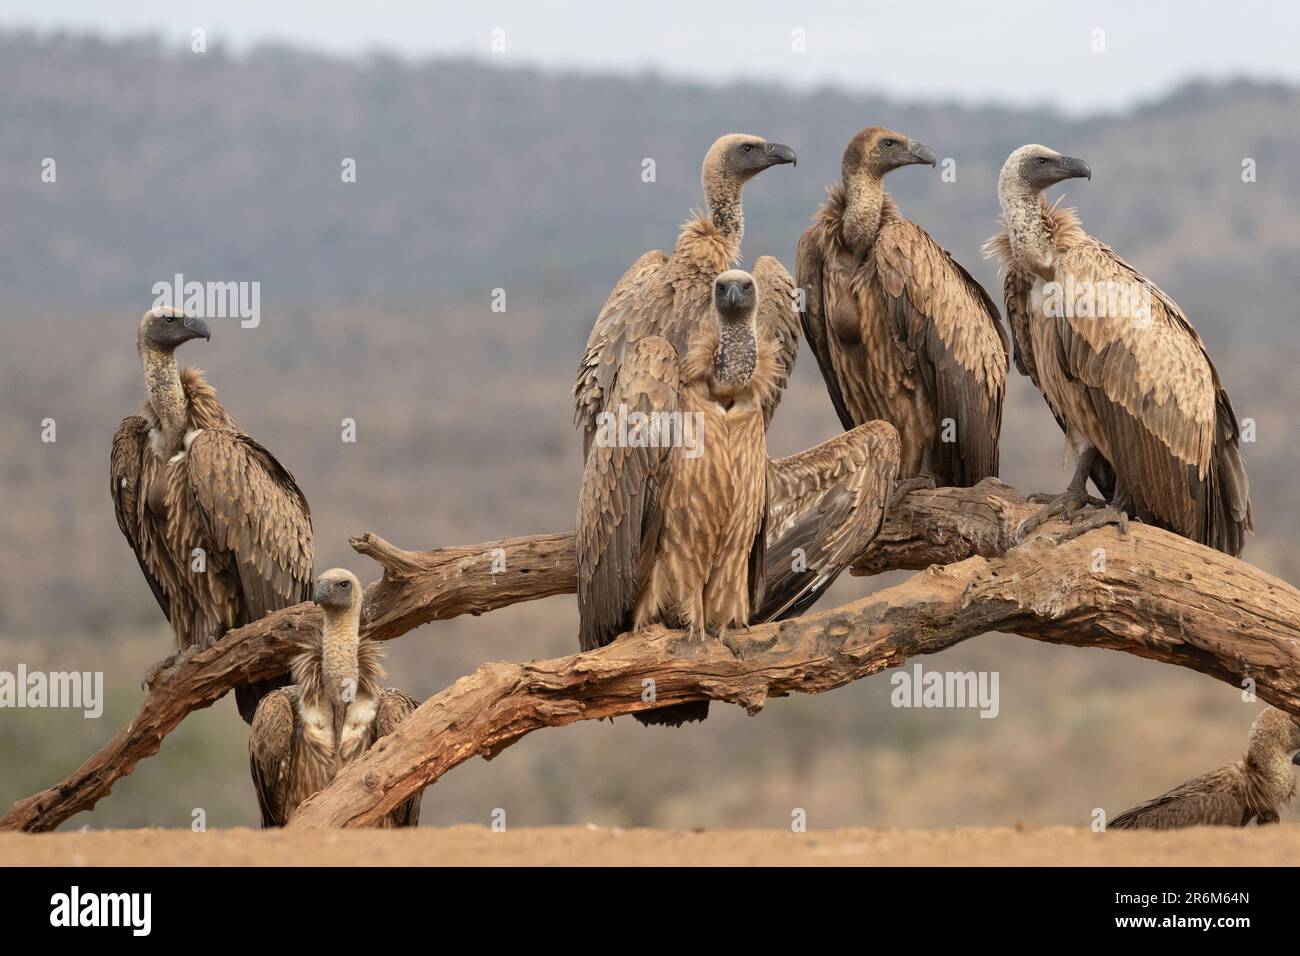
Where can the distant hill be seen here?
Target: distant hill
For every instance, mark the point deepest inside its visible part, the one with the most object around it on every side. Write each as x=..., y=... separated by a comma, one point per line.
x=471, y=178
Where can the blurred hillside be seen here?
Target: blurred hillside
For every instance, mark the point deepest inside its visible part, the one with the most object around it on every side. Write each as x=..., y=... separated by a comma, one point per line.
x=376, y=306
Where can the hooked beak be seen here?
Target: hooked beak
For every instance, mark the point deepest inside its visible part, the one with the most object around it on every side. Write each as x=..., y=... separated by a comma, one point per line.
x=921, y=153
x=1075, y=168
x=1296, y=759
x=779, y=154
x=198, y=328
x=733, y=294
x=321, y=592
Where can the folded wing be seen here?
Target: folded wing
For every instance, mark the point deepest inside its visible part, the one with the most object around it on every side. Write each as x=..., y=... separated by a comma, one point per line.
x=825, y=507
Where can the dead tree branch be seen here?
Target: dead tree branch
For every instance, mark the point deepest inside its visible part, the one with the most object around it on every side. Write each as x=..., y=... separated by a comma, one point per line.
x=930, y=527
x=1152, y=594
x=416, y=588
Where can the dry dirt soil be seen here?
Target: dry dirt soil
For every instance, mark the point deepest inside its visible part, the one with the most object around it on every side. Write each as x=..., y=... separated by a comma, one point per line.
x=605, y=846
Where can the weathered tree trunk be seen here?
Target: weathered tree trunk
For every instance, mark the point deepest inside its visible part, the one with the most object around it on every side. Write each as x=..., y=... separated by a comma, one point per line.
x=1156, y=595
x=1152, y=594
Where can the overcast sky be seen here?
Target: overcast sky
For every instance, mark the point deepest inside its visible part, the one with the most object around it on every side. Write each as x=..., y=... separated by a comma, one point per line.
x=1014, y=51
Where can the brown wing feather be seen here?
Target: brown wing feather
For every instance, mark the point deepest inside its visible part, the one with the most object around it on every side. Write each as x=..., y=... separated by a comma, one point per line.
x=778, y=321
x=1209, y=800
x=829, y=503
x=1172, y=430
x=812, y=278
x=127, y=476
x=636, y=307
x=393, y=708
x=253, y=509
x=270, y=754
x=952, y=326
x=619, y=514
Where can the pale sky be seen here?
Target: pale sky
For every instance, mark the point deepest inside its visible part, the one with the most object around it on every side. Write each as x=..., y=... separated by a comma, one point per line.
x=1016, y=51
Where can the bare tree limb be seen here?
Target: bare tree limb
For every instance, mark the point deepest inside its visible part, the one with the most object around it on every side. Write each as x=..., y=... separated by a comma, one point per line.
x=417, y=587
x=929, y=527
x=1151, y=593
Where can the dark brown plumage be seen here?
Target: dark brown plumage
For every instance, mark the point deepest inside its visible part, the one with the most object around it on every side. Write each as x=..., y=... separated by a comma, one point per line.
x=677, y=531
x=669, y=295
x=335, y=709
x=1122, y=369
x=1253, y=788
x=900, y=330
x=218, y=526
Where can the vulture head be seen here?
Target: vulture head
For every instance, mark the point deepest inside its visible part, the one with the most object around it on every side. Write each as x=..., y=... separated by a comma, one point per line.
x=164, y=328
x=1031, y=169
x=735, y=296
x=337, y=591
x=738, y=157
x=876, y=150
x=1275, y=731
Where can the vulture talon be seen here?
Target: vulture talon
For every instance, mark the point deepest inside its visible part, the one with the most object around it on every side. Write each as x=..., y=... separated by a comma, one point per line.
x=1098, y=519
x=157, y=669
x=905, y=487
x=693, y=645
x=744, y=649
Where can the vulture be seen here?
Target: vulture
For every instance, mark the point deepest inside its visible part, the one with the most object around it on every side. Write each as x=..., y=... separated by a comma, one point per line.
x=1123, y=371
x=678, y=532
x=901, y=331
x=669, y=295
x=336, y=707
x=219, y=527
x=1253, y=788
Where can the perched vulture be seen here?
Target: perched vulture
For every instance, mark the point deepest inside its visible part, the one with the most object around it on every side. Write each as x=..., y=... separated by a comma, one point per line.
x=336, y=707
x=1253, y=788
x=669, y=296
x=680, y=503
x=1122, y=369
x=219, y=527
x=900, y=330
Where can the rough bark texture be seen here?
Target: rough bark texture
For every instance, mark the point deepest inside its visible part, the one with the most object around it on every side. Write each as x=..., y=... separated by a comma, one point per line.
x=1157, y=596
x=1150, y=593
x=416, y=588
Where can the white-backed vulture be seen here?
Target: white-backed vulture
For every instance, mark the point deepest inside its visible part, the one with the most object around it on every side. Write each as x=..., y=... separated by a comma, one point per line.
x=1253, y=788
x=336, y=707
x=901, y=331
x=219, y=527
x=1122, y=369
x=669, y=295
x=679, y=499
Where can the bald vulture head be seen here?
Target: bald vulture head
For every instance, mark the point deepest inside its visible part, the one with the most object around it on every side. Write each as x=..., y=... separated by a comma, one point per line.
x=337, y=591
x=876, y=150
x=736, y=158
x=1275, y=732
x=1031, y=169
x=735, y=296
x=164, y=328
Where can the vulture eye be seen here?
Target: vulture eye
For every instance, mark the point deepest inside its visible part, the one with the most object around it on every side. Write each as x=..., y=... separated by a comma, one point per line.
x=748, y=286
x=889, y=143
x=345, y=585
x=1042, y=160
x=170, y=319
x=748, y=147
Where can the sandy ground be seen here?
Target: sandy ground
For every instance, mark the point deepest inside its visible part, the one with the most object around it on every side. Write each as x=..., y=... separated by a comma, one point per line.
x=603, y=846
